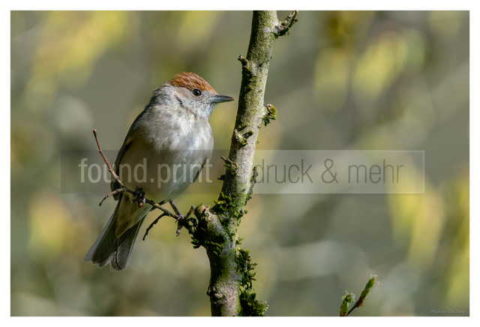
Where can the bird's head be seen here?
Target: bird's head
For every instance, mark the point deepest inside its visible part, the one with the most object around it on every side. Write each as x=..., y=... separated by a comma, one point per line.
x=193, y=93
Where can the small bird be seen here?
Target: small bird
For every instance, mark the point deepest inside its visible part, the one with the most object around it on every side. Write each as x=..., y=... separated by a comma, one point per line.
x=172, y=131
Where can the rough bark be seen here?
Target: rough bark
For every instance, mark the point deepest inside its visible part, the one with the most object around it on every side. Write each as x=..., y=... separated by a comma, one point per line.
x=232, y=271
x=230, y=288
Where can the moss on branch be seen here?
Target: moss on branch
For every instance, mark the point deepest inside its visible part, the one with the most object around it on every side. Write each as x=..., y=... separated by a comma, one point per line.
x=232, y=271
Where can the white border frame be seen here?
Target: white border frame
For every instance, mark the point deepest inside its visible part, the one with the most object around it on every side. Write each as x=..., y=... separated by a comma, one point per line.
x=238, y=5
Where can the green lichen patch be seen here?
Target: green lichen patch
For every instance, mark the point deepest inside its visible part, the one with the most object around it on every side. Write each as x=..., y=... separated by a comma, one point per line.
x=229, y=206
x=250, y=306
x=270, y=115
x=205, y=231
x=242, y=138
x=245, y=267
x=253, y=181
x=231, y=168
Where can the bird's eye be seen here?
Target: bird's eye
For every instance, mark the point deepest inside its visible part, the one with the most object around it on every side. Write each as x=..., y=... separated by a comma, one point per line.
x=197, y=92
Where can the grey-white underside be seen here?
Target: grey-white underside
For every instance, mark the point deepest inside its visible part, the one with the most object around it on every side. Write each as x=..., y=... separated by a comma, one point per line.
x=163, y=135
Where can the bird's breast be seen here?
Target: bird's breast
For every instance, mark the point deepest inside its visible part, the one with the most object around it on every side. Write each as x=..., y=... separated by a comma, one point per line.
x=168, y=155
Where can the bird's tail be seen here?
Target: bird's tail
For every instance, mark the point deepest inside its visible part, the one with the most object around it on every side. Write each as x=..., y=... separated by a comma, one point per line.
x=109, y=248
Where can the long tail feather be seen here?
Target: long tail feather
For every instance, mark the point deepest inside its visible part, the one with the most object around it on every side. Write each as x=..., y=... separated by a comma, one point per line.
x=120, y=256
x=108, y=248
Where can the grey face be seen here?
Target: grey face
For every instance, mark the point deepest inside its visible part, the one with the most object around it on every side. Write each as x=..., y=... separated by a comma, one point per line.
x=201, y=102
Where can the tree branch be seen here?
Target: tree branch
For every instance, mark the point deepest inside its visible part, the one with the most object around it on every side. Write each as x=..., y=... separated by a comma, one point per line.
x=232, y=271
x=286, y=24
x=231, y=291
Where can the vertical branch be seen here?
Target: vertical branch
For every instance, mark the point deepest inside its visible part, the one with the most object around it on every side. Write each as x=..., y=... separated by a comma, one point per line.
x=232, y=271
x=251, y=108
x=230, y=290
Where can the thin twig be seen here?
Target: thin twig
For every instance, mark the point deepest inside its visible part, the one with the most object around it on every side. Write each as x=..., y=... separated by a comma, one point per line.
x=243, y=60
x=107, y=162
x=286, y=24
x=159, y=207
x=190, y=212
x=348, y=298
x=363, y=295
x=156, y=205
x=182, y=219
x=114, y=192
x=153, y=224
x=175, y=208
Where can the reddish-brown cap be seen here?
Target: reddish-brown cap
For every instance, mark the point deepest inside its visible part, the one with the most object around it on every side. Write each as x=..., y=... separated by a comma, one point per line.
x=191, y=81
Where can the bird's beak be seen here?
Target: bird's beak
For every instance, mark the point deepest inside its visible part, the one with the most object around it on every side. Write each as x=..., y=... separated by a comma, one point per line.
x=220, y=98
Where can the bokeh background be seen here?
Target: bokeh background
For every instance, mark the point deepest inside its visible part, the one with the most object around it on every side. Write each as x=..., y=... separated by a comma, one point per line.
x=341, y=80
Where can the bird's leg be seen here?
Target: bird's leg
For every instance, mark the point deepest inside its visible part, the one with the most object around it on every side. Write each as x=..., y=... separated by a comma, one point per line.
x=139, y=197
x=180, y=219
x=175, y=208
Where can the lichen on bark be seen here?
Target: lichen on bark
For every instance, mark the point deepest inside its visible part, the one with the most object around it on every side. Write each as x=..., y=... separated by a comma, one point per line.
x=232, y=270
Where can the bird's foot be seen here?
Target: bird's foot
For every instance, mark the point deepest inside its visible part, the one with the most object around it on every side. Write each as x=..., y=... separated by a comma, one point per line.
x=139, y=197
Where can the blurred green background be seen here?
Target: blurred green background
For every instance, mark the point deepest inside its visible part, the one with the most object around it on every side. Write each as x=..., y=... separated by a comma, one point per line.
x=341, y=80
